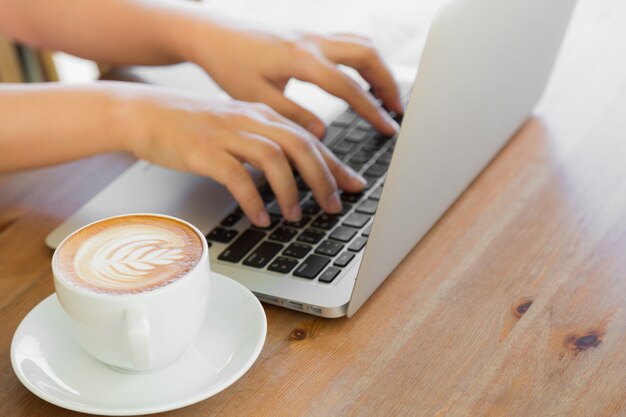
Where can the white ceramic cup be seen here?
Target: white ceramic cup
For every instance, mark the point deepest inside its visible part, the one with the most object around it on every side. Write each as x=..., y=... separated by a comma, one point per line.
x=139, y=332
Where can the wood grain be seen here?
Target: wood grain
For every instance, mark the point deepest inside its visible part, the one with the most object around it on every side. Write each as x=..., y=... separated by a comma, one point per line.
x=513, y=305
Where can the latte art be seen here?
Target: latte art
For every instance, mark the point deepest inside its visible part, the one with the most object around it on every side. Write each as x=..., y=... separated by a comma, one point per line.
x=129, y=254
x=126, y=259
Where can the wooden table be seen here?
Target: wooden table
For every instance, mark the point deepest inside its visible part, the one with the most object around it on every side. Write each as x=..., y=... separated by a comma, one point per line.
x=514, y=304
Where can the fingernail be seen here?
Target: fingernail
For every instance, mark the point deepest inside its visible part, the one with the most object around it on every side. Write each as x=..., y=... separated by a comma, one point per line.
x=295, y=213
x=392, y=123
x=334, y=203
x=263, y=219
x=359, y=180
x=355, y=177
x=317, y=128
x=399, y=107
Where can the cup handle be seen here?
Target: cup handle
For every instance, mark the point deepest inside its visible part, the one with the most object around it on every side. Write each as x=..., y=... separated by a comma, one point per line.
x=138, y=329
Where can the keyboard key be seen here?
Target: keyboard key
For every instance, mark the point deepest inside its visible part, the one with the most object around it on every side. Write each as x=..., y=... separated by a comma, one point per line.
x=377, y=193
x=297, y=250
x=357, y=220
x=363, y=125
x=392, y=144
x=329, y=275
x=343, y=233
x=329, y=248
x=311, y=236
x=361, y=156
x=357, y=136
x=376, y=143
x=344, y=259
x=385, y=159
x=345, y=119
x=366, y=232
x=344, y=209
x=370, y=181
x=282, y=265
x=358, y=244
x=325, y=221
x=376, y=170
x=274, y=209
x=302, y=195
x=367, y=207
x=333, y=133
x=355, y=165
x=351, y=198
x=302, y=186
x=310, y=207
x=343, y=147
x=241, y=246
x=263, y=254
x=283, y=234
x=304, y=220
x=222, y=235
x=311, y=266
x=231, y=220
x=341, y=155
x=266, y=193
x=274, y=220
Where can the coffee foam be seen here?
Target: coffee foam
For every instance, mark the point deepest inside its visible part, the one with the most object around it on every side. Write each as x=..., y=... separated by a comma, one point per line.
x=128, y=254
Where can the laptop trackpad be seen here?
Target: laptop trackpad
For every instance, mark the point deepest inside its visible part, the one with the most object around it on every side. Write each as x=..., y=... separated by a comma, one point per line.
x=147, y=188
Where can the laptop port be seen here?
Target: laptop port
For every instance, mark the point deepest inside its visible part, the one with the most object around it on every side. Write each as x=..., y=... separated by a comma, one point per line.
x=315, y=310
x=294, y=305
x=266, y=299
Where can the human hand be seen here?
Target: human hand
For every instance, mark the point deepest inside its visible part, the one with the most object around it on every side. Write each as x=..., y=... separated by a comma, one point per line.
x=214, y=138
x=256, y=66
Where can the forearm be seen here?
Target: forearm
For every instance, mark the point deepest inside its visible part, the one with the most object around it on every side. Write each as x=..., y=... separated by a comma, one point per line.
x=43, y=124
x=123, y=32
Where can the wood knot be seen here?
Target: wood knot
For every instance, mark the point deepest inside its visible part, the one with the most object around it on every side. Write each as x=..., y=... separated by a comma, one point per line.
x=584, y=342
x=297, y=335
x=522, y=307
x=588, y=341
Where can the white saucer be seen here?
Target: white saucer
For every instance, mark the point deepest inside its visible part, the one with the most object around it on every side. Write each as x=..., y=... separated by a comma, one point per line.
x=51, y=364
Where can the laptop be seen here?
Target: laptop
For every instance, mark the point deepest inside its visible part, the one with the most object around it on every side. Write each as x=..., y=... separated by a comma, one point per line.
x=484, y=66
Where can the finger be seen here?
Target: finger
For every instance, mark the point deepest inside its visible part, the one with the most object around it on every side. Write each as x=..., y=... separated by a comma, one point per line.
x=390, y=95
x=277, y=100
x=326, y=75
x=347, y=179
x=301, y=149
x=228, y=171
x=268, y=157
x=359, y=53
x=352, y=36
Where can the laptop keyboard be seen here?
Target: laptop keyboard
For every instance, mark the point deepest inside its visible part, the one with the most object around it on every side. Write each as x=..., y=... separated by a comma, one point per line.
x=319, y=245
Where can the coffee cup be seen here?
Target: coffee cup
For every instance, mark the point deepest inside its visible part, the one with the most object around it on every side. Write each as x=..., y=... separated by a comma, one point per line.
x=135, y=288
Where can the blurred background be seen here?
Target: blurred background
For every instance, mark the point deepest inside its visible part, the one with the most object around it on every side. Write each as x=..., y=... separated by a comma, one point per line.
x=397, y=27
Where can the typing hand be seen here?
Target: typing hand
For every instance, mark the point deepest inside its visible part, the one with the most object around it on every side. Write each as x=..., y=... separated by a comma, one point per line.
x=256, y=66
x=215, y=137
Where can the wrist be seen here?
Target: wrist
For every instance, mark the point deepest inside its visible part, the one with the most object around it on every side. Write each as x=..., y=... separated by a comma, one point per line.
x=172, y=28
x=126, y=120
x=201, y=36
x=187, y=32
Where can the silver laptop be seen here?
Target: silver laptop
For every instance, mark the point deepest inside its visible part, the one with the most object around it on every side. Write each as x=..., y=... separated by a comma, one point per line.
x=484, y=66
